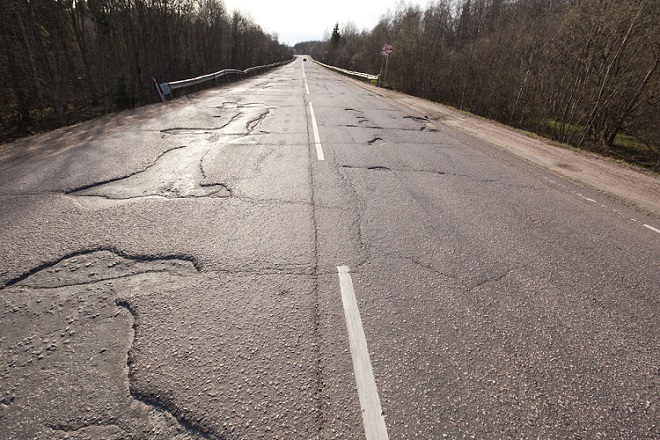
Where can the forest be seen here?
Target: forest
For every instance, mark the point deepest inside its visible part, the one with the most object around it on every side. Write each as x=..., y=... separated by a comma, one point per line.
x=580, y=72
x=63, y=61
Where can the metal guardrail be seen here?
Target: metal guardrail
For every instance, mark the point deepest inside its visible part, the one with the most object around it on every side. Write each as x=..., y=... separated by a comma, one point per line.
x=358, y=75
x=166, y=88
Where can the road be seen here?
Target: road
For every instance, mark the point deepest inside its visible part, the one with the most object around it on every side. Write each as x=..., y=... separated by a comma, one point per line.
x=294, y=256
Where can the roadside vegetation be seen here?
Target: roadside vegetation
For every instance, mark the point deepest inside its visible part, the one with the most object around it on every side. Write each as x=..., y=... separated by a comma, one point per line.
x=581, y=72
x=63, y=61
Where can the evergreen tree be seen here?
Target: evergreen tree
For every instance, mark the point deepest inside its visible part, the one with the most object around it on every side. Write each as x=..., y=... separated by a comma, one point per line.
x=334, y=39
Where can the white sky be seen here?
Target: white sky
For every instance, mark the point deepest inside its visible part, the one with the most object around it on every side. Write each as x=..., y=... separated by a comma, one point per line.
x=304, y=20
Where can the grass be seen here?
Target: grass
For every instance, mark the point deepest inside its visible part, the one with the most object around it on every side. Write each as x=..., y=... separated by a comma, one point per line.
x=556, y=126
x=626, y=149
x=630, y=142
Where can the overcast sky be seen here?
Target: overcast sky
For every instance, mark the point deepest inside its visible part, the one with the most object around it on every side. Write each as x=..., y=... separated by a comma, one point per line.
x=304, y=20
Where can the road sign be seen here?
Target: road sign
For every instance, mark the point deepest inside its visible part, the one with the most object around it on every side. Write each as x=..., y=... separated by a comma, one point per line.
x=386, y=51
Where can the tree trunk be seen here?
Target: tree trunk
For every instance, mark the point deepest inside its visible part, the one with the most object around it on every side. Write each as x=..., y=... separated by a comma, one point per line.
x=50, y=79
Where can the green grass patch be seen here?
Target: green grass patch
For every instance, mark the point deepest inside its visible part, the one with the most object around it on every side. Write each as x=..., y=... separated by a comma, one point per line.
x=627, y=141
x=556, y=126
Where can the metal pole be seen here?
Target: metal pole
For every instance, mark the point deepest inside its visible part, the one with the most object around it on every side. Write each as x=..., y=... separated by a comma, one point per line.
x=380, y=74
x=387, y=58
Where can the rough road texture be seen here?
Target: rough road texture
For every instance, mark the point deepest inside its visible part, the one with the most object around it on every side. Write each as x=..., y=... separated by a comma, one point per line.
x=144, y=336
x=69, y=319
x=637, y=188
x=171, y=272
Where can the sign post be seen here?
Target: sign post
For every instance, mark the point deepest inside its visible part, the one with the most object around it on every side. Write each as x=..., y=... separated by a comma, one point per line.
x=387, y=50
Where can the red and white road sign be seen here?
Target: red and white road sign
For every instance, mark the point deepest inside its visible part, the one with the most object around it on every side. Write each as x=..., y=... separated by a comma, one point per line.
x=388, y=48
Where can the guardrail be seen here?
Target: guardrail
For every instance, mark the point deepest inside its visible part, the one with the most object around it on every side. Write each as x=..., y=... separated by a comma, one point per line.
x=167, y=88
x=358, y=75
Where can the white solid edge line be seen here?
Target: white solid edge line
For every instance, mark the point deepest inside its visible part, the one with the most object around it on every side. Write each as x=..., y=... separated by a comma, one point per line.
x=306, y=87
x=652, y=228
x=372, y=413
x=317, y=138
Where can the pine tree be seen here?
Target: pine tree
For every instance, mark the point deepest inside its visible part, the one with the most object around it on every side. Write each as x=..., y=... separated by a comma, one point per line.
x=335, y=35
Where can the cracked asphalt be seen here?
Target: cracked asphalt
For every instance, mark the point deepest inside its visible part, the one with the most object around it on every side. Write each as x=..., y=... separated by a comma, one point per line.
x=171, y=272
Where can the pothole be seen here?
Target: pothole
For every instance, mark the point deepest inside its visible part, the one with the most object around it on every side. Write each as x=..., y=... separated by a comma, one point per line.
x=178, y=173
x=69, y=329
x=369, y=168
x=190, y=131
x=417, y=118
x=376, y=141
x=175, y=174
x=241, y=120
x=98, y=265
x=426, y=123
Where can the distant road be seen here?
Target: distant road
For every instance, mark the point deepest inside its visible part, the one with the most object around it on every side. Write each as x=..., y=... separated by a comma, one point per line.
x=295, y=256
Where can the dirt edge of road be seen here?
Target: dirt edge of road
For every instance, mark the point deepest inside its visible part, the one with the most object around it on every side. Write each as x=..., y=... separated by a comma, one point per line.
x=629, y=186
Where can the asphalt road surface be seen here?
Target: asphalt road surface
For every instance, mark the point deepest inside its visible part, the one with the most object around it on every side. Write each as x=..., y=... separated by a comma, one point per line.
x=293, y=256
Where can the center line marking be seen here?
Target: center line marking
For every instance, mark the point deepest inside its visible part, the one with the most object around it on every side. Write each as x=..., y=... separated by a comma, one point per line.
x=317, y=138
x=372, y=413
x=304, y=77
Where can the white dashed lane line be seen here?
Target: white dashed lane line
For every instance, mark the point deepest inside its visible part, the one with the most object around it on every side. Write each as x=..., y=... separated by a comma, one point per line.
x=587, y=199
x=372, y=413
x=612, y=209
x=304, y=77
x=652, y=228
x=317, y=138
